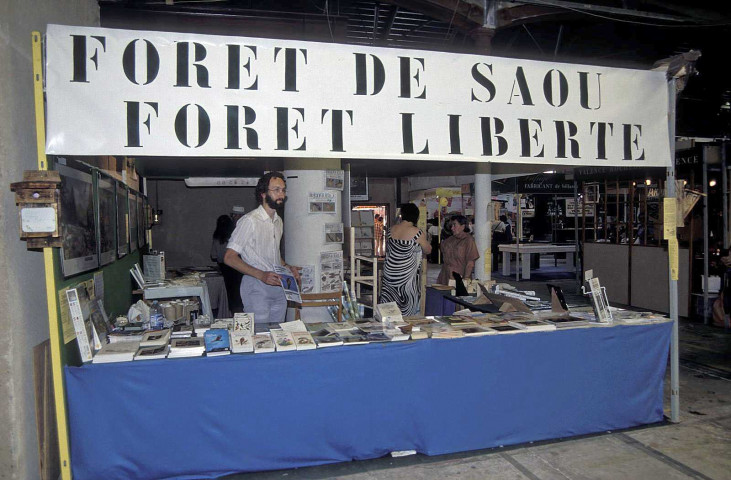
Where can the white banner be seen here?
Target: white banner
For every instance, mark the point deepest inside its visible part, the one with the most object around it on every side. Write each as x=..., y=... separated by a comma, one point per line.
x=120, y=92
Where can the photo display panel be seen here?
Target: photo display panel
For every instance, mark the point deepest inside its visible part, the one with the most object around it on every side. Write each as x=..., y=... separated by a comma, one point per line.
x=78, y=228
x=132, y=205
x=106, y=218
x=122, y=221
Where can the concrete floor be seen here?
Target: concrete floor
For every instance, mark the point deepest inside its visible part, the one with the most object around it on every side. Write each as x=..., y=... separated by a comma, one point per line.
x=699, y=446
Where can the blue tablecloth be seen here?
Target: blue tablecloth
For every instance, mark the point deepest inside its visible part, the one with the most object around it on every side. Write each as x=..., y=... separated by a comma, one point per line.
x=437, y=304
x=206, y=417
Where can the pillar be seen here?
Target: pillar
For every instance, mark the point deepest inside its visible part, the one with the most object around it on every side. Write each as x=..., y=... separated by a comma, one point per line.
x=483, y=219
x=304, y=237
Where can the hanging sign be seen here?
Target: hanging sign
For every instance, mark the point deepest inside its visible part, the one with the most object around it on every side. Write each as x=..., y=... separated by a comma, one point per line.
x=124, y=92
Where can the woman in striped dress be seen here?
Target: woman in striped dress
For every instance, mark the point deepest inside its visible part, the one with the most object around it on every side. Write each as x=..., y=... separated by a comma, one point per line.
x=401, y=271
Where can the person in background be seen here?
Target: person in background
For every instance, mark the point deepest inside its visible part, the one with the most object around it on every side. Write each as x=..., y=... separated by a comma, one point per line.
x=231, y=278
x=500, y=234
x=254, y=251
x=433, y=236
x=405, y=243
x=378, y=234
x=459, y=252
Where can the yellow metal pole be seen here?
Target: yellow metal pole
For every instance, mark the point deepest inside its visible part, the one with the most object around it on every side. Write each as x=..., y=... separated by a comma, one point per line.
x=59, y=393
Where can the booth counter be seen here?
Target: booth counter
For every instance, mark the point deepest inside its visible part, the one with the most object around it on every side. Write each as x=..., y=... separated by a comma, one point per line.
x=206, y=417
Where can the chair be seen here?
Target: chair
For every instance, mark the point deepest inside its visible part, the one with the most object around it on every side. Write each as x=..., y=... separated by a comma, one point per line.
x=321, y=300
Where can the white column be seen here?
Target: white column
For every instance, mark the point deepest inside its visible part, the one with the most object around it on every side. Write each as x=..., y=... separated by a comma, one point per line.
x=304, y=236
x=483, y=217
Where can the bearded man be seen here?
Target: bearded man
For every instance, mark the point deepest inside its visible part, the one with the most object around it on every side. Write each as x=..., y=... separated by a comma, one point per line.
x=253, y=250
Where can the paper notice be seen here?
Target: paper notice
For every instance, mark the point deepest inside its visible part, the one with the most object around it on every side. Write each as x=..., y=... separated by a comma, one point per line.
x=670, y=206
x=673, y=258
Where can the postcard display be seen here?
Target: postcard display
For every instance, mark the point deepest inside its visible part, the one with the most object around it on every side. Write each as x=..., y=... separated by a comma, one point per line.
x=555, y=125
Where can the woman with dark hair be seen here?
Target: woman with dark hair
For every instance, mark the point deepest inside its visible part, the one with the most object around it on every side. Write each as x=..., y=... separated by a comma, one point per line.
x=231, y=278
x=405, y=243
x=459, y=252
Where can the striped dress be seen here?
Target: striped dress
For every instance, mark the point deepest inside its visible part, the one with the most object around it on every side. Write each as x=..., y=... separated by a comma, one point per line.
x=401, y=274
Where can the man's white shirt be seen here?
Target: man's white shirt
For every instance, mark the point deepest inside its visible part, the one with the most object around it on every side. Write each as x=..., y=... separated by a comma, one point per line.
x=256, y=238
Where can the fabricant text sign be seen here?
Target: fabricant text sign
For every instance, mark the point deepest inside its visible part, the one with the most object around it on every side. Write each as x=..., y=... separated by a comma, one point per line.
x=120, y=92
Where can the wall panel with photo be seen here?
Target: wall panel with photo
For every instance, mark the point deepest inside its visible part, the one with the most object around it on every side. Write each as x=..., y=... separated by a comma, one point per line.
x=106, y=217
x=122, y=221
x=79, y=250
x=141, y=228
x=132, y=208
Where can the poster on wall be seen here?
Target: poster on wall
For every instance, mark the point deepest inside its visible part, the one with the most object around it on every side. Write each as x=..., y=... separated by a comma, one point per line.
x=78, y=229
x=122, y=221
x=334, y=179
x=333, y=233
x=307, y=278
x=132, y=206
x=321, y=202
x=571, y=208
x=106, y=218
x=331, y=271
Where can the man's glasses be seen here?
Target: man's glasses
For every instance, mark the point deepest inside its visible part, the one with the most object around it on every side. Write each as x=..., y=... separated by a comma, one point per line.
x=278, y=190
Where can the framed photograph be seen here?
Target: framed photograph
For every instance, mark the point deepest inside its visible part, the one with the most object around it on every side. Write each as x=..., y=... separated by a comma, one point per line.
x=591, y=193
x=122, y=221
x=141, y=228
x=105, y=218
x=79, y=250
x=132, y=209
x=358, y=188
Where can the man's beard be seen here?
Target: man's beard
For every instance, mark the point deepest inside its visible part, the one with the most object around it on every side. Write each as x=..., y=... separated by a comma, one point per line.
x=275, y=204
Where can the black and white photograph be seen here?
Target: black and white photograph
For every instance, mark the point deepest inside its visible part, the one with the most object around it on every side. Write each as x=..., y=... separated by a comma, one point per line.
x=132, y=199
x=106, y=218
x=78, y=230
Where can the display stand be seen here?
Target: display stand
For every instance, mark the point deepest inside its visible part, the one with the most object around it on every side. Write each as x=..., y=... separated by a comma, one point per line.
x=357, y=277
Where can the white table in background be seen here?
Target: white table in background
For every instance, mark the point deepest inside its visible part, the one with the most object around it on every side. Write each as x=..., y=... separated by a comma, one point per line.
x=526, y=249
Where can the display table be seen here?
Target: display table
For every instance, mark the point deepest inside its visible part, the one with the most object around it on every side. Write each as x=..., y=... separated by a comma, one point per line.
x=437, y=303
x=526, y=249
x=192, y=418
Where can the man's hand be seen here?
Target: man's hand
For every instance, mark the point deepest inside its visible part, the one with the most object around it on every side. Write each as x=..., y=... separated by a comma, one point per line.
x=295, y=271
x=270, y=278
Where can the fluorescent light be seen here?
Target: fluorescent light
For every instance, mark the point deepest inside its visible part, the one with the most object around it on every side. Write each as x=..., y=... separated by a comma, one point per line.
x=221, y=181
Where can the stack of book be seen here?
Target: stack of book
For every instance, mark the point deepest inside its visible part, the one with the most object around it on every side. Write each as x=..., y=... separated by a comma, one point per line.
x=242, y=333
x=117, y=352
x=152, y=353
x=187, y=347
x=326, y=338
x=534, y=325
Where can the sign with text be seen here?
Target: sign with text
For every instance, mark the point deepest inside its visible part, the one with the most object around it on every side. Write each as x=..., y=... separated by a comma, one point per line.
x=122, y=92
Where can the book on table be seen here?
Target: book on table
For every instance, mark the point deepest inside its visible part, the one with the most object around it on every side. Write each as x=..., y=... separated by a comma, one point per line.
x=388, y=313
x=283, y=340
x=263, y=343
x=303, y=340
x=126, y=334
x=155, y=338
x=476, y=331
x=242, y=341
x=217, y=342
x=534, y=325
x=152, y=353
x=325, y=338
x=244, y=321
x=187, y=347
x=507, y=328
x=116, y=352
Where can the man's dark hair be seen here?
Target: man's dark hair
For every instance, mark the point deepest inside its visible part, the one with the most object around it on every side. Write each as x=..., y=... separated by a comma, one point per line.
x=409, y=212
x=262, y=185
x=504, y=218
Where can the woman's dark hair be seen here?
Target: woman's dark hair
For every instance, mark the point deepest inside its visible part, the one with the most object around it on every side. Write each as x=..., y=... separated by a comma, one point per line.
x=262, y=185
x=462, y=220
x=224, y=228
x=409, y=212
